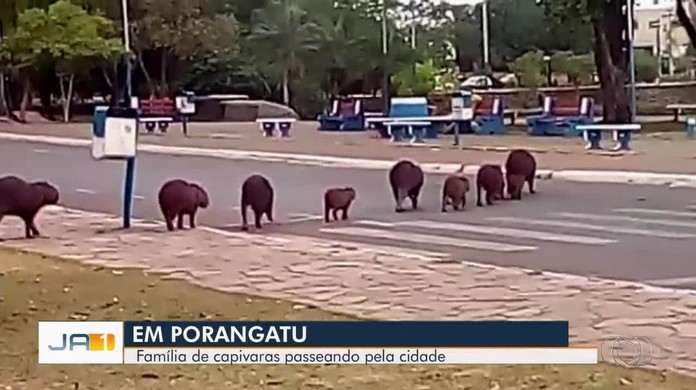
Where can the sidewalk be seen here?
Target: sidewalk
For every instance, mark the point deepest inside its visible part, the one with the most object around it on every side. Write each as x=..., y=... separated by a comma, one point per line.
x=671, y=153
x=374, y=281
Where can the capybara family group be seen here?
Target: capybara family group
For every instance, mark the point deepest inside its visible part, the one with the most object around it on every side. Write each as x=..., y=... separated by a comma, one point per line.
x=178, y=198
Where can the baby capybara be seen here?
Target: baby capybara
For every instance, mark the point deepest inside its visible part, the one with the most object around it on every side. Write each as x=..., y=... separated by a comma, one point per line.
x=257, y=192
x=338, y=199
x=520, y=167
x=454, y=192
x=406, y=180
x=25, y=200
x=178, y=198
x=490, y=179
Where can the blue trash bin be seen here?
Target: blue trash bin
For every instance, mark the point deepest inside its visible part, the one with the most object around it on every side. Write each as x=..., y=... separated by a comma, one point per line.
x=99, y=121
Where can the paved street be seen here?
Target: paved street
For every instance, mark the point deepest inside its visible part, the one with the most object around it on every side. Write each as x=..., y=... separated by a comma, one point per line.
x=643, y=233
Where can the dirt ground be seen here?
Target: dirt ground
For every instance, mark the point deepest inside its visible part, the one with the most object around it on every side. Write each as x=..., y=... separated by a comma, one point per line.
x=34, y=287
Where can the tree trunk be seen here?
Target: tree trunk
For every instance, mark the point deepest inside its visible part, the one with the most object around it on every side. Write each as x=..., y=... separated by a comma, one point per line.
x=164, y=55
x=685, y=21
x=26, y=86
x=611, y=63
x=286, y=88
x=66, y=95
x=4, y=108
x=148, y=79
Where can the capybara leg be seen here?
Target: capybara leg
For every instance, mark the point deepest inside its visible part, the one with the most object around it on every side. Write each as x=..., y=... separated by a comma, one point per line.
x=530, y=181
x=345, y=213
x=257, y=219
x=463, y=202
x=489, y=198
x=180, y=221
x=34, y=230
x=455, y=204
x=192, y=220
x=27, y=227
x=269, y=213
x=444, y=204
x=170, y=222
x=414, y=196
x=478, y=195
x=327, y=212
x=400, y=197
x=245, y=224
x=414, y=201
x=334, y=212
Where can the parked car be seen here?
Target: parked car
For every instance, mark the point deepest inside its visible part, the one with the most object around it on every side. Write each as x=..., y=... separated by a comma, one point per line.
x=482, y=81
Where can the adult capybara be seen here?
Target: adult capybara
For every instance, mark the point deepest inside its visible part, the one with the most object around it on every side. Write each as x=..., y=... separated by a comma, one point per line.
x=257, y=192
x=178, y=198
x=338, y=199
x=520, y=167
x=490, y=179
x=24, y=200
x=454, y=192
x=406, y=180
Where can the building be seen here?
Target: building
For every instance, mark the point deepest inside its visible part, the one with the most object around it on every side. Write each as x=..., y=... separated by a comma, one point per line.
x=659, y=30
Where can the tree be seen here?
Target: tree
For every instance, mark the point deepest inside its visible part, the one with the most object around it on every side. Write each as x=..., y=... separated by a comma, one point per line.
x=608, y=27
x=75, y=40
x=23, y=48
x=529, y=69
x=285, y=35
x=685, y=19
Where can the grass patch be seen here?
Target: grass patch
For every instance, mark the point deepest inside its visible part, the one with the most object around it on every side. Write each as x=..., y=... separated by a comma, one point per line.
x=34, y=287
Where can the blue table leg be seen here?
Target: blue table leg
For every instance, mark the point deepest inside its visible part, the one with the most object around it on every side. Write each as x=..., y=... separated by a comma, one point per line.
x=396, y=135
x=284, y=129
x=622, y=138
x=691, y=128
x=268, y=129
x=416, y=134
x=593, y=138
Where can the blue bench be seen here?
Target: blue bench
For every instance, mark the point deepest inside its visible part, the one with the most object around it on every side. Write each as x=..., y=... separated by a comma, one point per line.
x=621, y=134
x=270, y=125
x=540, y=124
x=492, y=122
x=345, y=115
x=555, y=121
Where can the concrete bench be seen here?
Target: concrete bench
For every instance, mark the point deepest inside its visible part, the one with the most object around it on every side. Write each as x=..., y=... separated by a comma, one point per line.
x=416, y=129
x=270, y=125
x=679, y=109
x=621, y=134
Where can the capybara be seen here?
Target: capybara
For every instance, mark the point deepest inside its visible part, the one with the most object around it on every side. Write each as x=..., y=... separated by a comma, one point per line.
x=24, y=200
x=490, y=178
x=520, y=167
x=178, y=198
x=454, y=192
x=406, y=180
x=257, y=192
x=338, y=199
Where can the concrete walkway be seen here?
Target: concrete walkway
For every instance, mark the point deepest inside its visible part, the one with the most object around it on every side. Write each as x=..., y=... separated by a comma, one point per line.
x=375, y=281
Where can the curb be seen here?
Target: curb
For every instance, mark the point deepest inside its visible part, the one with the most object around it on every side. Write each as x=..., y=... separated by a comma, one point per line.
x=673, y=180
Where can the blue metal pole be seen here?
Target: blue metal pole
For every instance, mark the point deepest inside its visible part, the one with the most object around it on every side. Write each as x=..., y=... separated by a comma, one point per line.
x=631, y=58
x=128, y=189
x=129, y=180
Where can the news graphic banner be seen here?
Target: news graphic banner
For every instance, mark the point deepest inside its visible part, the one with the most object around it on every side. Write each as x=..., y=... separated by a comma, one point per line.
x=310, y=342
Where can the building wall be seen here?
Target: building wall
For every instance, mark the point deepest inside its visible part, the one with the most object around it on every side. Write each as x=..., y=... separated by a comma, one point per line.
x=672, y=36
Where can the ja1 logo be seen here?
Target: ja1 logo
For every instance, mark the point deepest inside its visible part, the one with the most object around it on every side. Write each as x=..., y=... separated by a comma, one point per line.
x=633, y=351
x=86, y=342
